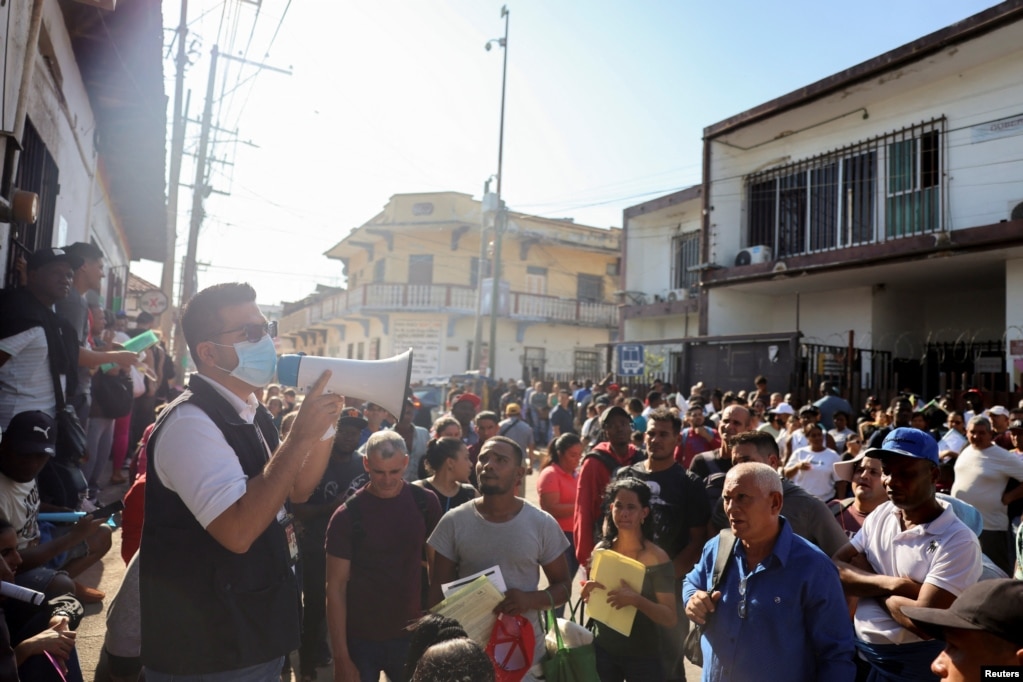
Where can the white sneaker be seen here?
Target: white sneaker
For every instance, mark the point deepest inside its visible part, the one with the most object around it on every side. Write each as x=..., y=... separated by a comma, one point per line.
x=88, y=506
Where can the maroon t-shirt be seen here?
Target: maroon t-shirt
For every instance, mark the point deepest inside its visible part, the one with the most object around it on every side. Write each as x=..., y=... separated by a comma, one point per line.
x=384, y=585
x=850, y=518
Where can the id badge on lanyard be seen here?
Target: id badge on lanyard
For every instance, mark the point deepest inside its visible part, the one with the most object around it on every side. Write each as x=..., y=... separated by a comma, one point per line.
x=287, y=522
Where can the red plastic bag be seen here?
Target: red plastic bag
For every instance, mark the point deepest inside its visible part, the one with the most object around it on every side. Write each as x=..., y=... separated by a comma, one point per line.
x=511, y=647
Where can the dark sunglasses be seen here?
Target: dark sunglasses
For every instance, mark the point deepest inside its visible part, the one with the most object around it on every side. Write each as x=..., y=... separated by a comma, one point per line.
x=253, y=332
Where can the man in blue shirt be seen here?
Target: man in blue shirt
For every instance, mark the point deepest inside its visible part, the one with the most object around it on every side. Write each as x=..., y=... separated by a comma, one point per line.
x=778, y=606
x=830, y=403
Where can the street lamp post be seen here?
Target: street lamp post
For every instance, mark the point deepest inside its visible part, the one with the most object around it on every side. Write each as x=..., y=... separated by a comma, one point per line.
x=477, y=338
x=502, y=215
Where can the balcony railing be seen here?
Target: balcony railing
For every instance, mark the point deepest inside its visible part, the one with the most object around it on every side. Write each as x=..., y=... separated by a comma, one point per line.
x=445, y=298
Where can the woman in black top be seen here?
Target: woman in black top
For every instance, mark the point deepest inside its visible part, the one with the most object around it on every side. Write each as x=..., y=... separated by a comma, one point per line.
x=449, y=460
x=629, y=531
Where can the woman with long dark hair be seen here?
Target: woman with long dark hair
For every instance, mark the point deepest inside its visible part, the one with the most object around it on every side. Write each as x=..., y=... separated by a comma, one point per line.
x=628, y=530
x=556, y=486
x=449, y=461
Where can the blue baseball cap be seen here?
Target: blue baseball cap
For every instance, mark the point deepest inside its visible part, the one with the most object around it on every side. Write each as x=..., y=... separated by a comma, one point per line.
x=908, y=442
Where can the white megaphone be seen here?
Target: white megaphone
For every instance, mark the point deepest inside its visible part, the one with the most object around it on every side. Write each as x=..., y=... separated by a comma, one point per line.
x=384, y=382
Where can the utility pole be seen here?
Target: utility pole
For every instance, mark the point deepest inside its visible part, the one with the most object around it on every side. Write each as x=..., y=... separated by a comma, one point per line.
x=477, y=338
x=199, y=192
x=188, y=282
x=177, y=148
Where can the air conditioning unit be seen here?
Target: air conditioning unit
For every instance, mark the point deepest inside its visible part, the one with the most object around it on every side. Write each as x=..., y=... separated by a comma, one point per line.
x=754, y=254
x=1017, y=212
x=673, y=295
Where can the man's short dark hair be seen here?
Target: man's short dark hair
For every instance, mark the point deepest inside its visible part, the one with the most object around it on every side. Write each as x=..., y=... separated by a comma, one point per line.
x=201, y=321
x=761, y=379
x=900, y=402
x=663, y=414
x=764, y=442
x=652, y=396
x=487, y=415
x=516, y=448
x=840, y=412
x=84, y=250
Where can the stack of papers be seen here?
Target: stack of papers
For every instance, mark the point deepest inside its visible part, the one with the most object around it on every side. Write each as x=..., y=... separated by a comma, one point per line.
x=471, y=601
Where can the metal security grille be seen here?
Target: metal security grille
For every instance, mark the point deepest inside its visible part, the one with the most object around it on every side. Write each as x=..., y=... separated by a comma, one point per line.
x=586, y=364
x=884, y=188
x=686, y=251
x=37, y=172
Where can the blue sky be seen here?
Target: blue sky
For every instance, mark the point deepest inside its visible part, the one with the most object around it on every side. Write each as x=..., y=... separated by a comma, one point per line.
x=606, y=105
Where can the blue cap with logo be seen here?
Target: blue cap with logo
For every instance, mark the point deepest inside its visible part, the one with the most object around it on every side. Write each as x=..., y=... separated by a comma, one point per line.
x=908, y=442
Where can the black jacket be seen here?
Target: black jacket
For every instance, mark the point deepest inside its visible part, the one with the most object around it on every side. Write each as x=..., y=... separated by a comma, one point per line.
x=206, y=609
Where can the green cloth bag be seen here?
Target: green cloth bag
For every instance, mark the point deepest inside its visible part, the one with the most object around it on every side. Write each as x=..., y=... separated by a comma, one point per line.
x=578, y=664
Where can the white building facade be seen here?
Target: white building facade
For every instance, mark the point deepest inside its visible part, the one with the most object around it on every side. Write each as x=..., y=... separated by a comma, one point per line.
x=867, y=229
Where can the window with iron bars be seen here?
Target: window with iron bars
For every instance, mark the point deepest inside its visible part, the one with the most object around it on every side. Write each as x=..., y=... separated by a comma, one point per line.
x=586, y=364
x=884, y=188
x=685, y=249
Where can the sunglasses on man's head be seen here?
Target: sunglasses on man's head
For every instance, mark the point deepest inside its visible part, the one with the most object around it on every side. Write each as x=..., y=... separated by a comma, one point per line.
x=254, y=332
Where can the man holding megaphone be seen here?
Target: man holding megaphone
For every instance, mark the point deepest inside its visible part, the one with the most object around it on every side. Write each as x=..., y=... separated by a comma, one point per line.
x=218, y=554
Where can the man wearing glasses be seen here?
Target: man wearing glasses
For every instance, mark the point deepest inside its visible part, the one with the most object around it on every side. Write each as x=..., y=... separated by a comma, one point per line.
x=219, y=597
x=777, y=609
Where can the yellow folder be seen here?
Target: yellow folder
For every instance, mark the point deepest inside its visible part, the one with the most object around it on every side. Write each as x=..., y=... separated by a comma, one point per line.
x=610, y=569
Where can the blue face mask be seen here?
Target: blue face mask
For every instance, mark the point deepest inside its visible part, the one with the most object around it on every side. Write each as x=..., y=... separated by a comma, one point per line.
x=257, y=362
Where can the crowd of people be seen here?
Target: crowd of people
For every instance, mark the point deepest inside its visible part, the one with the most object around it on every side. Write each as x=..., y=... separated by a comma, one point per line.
x=64, y=370
x=811, y=541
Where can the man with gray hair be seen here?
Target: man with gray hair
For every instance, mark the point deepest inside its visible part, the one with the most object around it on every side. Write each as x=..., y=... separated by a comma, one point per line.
x=773, y=601
x=983, y=469
x=375, y=545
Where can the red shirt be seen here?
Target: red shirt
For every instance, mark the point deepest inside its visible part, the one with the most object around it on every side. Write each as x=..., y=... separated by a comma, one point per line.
x=554, y=479
x=593, y=479
x=693, y=443
x=131, y=518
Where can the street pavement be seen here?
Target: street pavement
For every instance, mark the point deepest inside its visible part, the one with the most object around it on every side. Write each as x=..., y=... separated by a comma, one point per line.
x=106, y=576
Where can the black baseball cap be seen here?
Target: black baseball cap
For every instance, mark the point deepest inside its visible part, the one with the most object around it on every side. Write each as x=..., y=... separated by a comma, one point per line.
x=41, y=257
x=31, y=433
x=613, y=411
x=355, y=422
x=992, y=606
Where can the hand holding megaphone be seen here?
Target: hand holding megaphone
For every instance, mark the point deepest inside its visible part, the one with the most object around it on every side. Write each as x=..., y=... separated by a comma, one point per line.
x=319, y=411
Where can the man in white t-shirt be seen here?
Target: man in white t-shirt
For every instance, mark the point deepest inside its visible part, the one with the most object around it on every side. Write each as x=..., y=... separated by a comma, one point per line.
x=29, y=442
x=911, y=551
x=811, y=467
x=983, y=469
x=504, y=530
x=34, y=341
x=25, y=378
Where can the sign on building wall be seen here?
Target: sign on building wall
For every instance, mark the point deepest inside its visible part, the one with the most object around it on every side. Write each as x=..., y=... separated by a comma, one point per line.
x=424, y=338
x=1003, y=127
